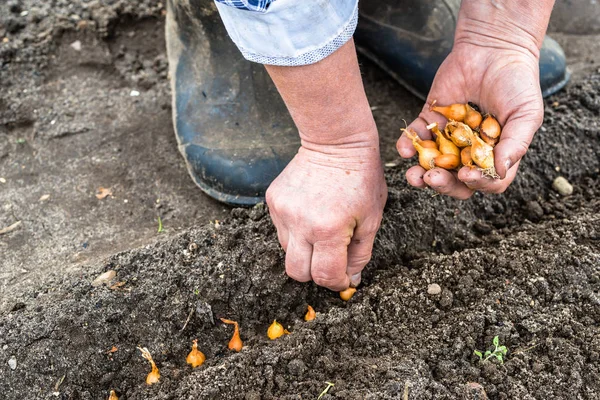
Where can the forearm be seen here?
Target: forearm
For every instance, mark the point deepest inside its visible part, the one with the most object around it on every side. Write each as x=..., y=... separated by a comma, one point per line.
x=328, y=103
x=506, y=24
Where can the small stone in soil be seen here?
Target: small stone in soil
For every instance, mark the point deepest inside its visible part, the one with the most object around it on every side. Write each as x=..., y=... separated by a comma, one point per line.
x=104, y=279
x=434, y=289
x=562, y=186
x=76, y=45
x=12, y=363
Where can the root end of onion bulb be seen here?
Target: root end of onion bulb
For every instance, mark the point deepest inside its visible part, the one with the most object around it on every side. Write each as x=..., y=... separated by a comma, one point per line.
x=154, y=375
x=483, y=156
x=196, y=358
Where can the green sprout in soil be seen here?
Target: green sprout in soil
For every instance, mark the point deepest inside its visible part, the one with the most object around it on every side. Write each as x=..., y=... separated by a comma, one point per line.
x=324, y=392
x=21, y=141
x=160, y=225
x=499, y=352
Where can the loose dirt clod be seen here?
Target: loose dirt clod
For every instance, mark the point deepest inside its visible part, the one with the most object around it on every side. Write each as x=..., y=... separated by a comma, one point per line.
x=434, y=289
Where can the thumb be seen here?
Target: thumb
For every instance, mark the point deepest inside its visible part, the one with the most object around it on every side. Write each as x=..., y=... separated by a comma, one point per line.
x=360, y=250
x=515, y=139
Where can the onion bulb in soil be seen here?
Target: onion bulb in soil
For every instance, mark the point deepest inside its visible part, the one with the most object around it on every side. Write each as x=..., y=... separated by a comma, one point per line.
x=459, y=133
x=473, y=117
x=445, y=146
x=236, y=341
x=310, y=314
x=196, y=358
x=447, y=161
x=154, y=375
x=456, y=112
x=275, y=330
x=490, y=127
x=347, y=294
x=113, y=395
x=483, y=155
x=426, y=155
x=465, y=157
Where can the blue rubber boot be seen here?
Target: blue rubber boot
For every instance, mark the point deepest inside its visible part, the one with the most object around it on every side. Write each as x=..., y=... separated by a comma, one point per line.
x=411, y=39
x=232, y=126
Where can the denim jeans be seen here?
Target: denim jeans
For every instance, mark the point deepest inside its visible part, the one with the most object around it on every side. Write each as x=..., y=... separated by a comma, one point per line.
x=288, y=32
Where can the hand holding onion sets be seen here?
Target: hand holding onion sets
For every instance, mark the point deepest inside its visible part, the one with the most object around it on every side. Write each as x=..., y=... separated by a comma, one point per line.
x=468, y=139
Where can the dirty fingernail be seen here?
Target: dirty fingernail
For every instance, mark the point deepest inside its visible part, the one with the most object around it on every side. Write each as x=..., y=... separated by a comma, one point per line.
x=355, y=280
x=507, y=164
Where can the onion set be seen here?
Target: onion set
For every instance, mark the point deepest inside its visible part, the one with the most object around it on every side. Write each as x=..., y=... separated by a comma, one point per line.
x=154, y=375
x=467, y=140
x=310, y=314
x=236, y=341
x=347, y=294
x=196, y=358
x=276, y=330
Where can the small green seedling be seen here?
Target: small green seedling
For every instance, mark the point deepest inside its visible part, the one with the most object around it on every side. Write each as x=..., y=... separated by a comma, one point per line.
x=499, y=352
x=160, y=225
x=324, y=392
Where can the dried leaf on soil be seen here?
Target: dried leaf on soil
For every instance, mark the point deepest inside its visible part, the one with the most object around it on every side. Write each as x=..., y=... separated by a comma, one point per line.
x=103, y=192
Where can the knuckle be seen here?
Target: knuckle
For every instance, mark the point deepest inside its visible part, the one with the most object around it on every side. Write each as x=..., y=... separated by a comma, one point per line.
x=270, y=197
x=327, y=280
x=297, y=275
x=323, y=230
x=360, y=260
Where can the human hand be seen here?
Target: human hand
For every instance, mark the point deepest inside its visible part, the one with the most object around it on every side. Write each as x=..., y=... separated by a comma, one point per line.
x=502, y=78
x=327, y=207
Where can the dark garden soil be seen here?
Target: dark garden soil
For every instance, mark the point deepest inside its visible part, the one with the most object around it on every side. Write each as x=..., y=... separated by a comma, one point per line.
x=523, y=266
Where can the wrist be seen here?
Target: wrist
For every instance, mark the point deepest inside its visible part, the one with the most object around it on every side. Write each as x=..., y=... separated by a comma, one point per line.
x=504, y=24
x=354, y=151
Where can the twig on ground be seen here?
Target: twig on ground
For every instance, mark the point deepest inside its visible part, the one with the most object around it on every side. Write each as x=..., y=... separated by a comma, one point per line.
x=187, y=320
x=10, y=228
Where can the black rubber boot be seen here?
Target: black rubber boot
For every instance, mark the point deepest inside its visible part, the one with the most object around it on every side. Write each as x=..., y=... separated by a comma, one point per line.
x=411, y=39
x=232, y=127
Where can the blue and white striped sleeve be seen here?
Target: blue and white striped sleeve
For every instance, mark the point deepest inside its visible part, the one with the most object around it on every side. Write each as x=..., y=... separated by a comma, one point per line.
x=249, y=5
x=288, y=32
